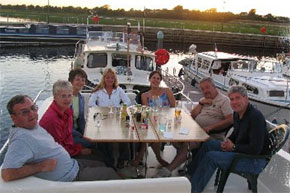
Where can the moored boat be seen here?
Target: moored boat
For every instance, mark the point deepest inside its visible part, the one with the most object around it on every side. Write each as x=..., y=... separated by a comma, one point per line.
x=268, y=89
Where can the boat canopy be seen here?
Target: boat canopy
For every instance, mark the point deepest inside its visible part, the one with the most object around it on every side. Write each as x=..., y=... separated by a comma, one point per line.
x=114, y=37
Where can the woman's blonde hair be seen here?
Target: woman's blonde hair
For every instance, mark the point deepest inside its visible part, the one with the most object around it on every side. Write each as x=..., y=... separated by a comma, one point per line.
x=102, y=83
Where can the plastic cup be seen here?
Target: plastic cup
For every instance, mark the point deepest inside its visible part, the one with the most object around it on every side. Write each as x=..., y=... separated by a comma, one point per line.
x=162, y=124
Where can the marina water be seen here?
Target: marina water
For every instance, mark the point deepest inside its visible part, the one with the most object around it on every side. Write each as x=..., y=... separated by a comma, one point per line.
x=27, y=71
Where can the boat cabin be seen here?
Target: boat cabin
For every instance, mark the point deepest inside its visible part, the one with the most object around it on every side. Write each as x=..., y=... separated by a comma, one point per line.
x=111, y=50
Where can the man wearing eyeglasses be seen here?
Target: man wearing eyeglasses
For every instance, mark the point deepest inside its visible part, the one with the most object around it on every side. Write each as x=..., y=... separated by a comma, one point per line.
x=32, y=151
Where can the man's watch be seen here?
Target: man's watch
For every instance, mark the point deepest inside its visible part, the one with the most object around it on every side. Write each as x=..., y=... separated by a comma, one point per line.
x=200, y=103
x=234, y=147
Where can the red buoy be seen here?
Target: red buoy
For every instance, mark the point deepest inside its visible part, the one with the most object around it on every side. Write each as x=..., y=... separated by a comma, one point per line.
x=96, y=19
x=161, y=57
x=263, y=30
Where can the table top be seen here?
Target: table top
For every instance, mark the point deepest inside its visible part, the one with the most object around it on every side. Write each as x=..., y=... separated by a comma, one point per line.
x=113, y=129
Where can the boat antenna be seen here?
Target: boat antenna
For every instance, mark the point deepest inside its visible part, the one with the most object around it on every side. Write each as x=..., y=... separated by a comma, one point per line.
x=128, y=48
x=141, y=42
x=287, y=88
x=215, y=50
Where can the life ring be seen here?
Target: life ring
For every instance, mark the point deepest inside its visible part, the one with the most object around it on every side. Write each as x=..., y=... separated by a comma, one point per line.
x=161, y=57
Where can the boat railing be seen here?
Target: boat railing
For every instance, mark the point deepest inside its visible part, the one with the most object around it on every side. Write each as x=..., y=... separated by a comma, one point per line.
x=3, y=151
x=40, y=93
x=114, y=37
x=177, y=87
x=79, y=47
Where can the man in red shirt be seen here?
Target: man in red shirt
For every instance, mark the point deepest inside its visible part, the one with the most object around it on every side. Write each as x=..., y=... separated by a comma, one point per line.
x=58, y=119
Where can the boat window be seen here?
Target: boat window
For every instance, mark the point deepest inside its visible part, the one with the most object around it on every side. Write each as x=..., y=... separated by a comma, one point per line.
x=41, y=29
x=97, y=60
x=240, y=65
x=144, y=63
x=119, y=60
x=205, y=65
x=233, y=82
x=62, y=30
x=81, y=31
x=199, y=62
x=268, y=66
x=276, y=93
x=251, y=89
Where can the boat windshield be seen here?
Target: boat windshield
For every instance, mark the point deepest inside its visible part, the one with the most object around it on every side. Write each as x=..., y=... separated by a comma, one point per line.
x=120, y=60
x=116, y=37
x=241, y=65
x=97, y=60
x=268, y=66
x=144, y=63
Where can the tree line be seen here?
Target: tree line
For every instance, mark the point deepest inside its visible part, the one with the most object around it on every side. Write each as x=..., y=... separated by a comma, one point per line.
x=177, y=12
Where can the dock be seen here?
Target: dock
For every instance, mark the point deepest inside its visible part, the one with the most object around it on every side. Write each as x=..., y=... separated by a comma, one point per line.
x=181, y=39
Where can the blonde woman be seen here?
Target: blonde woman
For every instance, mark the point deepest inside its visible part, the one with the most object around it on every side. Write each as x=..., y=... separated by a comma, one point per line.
x=108, y=92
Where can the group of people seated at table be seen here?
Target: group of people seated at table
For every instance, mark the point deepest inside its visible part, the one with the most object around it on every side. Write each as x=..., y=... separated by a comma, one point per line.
x=55, y=149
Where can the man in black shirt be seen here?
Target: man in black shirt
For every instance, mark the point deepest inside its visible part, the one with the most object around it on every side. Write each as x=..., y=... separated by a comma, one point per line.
x=250, y=136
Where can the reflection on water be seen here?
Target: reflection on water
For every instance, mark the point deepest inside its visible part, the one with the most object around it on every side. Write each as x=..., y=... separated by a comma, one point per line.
x=27, y=71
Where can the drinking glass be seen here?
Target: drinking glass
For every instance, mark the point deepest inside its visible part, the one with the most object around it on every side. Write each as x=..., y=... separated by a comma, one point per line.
x=117, y=111
x=162, y=123
x=111, y=112
x=98, y=118
x=157, y=105
x=178, y=110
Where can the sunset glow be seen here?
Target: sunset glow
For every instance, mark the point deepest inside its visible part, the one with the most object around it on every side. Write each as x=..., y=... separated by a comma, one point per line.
x=263, y=7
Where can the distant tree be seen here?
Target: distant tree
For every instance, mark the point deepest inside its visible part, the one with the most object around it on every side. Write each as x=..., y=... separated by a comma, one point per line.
x=269, y=17
x=243, y=14
x=178, y=8
x=252, y=12
x=211, y=10
x=106, y=6
x=177, y=12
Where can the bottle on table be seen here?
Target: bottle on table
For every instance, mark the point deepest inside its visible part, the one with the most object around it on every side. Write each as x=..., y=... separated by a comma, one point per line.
x=124, y=112
x=138, y=113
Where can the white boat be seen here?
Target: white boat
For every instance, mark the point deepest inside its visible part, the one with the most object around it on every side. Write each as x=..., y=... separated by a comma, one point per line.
x=103, y=50
x=267, y=88
x=286, y=67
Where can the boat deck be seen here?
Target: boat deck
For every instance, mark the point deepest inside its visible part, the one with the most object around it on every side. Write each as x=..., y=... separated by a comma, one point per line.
x=275, y=177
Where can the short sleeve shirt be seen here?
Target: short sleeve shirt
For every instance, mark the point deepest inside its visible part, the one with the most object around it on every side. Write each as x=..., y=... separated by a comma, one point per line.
x=28, y=146
x=217, y=111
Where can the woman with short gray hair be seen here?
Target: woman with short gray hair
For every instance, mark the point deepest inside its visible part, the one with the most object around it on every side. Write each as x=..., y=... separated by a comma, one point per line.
x=58, y=119
x=61, y=85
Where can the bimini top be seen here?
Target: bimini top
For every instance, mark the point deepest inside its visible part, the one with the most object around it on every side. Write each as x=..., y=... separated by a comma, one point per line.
x=113, y=40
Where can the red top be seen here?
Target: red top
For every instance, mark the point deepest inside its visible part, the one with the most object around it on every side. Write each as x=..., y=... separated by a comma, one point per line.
x=59, y=125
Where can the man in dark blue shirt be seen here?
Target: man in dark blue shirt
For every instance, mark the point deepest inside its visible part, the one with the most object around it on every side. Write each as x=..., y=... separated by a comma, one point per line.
x=250, y=136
